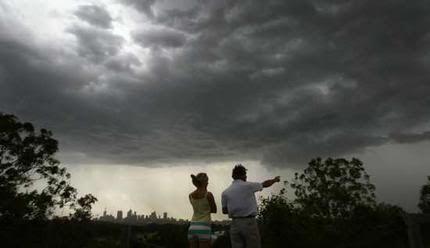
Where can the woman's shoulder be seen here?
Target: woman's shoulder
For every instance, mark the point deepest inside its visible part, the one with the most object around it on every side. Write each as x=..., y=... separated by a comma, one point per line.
x=197, y=195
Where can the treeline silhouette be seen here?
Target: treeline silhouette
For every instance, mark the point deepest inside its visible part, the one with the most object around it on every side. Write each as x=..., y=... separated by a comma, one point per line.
x=331, y=203
x=334, y=206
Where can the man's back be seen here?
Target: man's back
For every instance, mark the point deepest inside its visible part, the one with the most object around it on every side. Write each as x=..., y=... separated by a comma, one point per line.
x=238, y=201
x=239, y=198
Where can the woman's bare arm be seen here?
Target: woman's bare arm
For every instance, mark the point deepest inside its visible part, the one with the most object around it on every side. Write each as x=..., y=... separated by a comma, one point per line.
x=212, y=203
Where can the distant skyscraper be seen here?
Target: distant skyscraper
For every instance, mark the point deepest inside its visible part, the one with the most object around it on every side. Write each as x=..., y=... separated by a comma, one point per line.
x=153, y=215
x=119, y=215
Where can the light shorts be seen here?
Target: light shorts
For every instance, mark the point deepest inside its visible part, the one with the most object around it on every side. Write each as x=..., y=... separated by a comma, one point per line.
x=199, y=231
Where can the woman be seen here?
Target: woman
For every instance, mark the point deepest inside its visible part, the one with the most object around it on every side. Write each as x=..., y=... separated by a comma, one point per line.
x=199, y=233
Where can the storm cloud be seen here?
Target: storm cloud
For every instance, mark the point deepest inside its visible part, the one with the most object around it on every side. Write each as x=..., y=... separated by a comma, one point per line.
x=160, y=38
x=96, y=44
x=274, y=81
x=144, y=6
x=95, y=15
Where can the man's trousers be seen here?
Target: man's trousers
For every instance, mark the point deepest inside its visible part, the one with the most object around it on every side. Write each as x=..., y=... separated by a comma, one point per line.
x=244, y=233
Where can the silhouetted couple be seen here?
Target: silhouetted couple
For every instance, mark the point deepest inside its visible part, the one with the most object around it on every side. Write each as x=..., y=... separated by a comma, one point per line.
x=238, y=201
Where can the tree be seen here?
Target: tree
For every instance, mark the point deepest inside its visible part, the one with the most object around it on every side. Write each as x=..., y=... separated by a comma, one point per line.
x=27, y=157
x=424, y=203
x=334, y=206
x=333, y=188
x=281, y=223
x=83, y=212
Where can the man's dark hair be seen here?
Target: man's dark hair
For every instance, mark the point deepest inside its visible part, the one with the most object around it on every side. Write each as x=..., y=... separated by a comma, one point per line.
x=238, y=171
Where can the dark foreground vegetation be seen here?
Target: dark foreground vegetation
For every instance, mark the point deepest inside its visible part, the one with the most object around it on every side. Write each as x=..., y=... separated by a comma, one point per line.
x=334, y=206
x=76, y=234
x=331, y=203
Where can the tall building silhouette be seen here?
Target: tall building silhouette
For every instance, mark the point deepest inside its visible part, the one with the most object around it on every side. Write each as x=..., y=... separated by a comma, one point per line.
x=119, y=215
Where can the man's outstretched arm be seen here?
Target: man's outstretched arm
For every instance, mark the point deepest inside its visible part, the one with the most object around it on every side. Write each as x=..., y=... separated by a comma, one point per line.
x=270, y=182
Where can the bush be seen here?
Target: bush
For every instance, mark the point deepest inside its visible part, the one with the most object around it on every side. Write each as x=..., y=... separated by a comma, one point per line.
x=334, y=207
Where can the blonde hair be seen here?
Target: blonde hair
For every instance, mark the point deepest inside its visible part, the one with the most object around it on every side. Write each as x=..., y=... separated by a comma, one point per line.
x=199, y=179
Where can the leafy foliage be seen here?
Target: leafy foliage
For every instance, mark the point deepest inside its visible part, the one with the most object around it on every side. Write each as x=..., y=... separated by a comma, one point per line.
x=282, y=223
x=27, y=160
x=335, y=206
x=424, y=203
x=333, y=188
x=83, y=212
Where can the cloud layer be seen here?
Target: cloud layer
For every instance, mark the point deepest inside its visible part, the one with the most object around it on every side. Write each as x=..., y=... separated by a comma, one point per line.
x=94, y=15
x=274, y=81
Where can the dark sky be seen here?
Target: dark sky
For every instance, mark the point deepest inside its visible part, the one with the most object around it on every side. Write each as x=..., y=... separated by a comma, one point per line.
x=276, y=81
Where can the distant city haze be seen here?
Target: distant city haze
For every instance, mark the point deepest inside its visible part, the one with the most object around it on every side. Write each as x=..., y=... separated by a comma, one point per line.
x=166, y=189
x=145, y=190
x=141, y=94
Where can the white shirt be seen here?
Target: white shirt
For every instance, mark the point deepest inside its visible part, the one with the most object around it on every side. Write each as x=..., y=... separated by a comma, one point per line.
x=239, y=198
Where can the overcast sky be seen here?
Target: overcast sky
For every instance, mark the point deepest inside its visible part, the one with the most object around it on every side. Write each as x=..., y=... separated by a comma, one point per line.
x=141, y=93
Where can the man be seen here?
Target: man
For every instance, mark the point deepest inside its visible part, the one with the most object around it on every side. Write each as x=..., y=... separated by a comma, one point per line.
x=238, y=201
